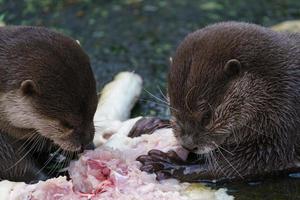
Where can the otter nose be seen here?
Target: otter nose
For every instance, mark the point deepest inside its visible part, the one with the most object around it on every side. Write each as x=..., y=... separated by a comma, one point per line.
x=191, y=148
x=89, y=146
x=87, y=142
x=86, y=138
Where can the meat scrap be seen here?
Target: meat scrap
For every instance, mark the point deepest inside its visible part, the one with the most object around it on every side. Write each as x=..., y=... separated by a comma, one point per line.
x=111, y=172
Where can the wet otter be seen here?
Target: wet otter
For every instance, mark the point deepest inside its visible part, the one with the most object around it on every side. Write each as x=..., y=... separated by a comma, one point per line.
x=47, y=98
x=234, y=89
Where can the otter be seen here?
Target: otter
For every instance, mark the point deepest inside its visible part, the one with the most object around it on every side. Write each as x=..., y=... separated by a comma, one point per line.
x=234, y=90
x=47, y=99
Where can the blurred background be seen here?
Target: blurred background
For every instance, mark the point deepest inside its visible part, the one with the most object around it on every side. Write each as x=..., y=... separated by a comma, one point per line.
x=141, y=35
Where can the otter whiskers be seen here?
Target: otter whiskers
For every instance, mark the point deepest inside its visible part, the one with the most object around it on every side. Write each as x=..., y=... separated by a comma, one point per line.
x=25, y=154
x=230, y=164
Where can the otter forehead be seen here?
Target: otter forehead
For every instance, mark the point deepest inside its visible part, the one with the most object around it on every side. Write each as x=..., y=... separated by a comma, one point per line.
x=38, y=53
x=46, y=86
x=57, y=65
x=197, y=70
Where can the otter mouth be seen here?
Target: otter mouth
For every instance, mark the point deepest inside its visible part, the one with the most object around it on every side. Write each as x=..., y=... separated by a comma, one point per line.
x=209, y=147
x=205, y=149
x=204, y=146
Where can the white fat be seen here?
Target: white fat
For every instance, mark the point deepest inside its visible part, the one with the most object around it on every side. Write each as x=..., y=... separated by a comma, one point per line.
x=112, y=128
x=222, y=195
x=6, y=187
x=118, y=97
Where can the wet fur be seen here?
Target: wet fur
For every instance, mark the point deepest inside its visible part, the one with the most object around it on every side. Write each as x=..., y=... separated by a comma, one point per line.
x=58, y=106
x=255, y=114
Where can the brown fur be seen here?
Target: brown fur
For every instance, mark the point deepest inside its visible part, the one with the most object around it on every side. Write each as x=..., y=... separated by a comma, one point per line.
x=47, y=90
x=234, y=93
x=253, y=115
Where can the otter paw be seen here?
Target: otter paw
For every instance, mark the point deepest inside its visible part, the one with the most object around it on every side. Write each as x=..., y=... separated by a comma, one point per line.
x=164, y=165
x=147, y=125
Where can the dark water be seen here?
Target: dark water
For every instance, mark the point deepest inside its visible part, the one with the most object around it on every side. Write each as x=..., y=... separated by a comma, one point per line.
x=283, y=188
x=140, y=36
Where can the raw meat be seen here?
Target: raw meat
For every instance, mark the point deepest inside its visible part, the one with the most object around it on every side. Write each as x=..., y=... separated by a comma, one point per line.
x=111, y=172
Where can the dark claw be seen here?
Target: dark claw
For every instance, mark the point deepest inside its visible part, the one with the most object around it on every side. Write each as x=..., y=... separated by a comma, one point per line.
x=169, y=157
x=161, y=175
x=156, y=152
x=158, y=155
x=144, y=158
x=174, y=156
x=163, y=164
x=152, y=167
x=147, y=168
x=147, y=125
x=170, y=165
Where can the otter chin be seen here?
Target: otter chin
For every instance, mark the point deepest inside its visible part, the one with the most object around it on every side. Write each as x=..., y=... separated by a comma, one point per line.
x=234, y=98
x=47, y=93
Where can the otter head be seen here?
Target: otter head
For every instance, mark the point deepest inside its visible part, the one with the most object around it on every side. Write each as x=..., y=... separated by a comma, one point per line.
x=47, y=87
x=225, y=84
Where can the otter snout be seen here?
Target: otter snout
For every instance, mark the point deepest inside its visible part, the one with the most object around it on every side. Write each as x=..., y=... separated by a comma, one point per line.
x=199, y=143
x=189, y=144
x=192, y=148
x=199, y=149
x=86, y=136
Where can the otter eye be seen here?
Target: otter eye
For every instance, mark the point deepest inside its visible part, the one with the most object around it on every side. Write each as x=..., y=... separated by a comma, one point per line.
x=206, y=119
x=66, y=124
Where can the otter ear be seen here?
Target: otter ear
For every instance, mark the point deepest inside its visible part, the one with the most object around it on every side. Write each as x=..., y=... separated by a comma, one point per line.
x=232, y=67
x=28, y=87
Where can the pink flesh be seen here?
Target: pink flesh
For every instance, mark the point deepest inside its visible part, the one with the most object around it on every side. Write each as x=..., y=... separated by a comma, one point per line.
x=109, y=174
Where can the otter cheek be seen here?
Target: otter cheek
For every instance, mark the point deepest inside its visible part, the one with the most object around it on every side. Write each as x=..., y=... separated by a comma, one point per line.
x=66, y=138
x=217, y=140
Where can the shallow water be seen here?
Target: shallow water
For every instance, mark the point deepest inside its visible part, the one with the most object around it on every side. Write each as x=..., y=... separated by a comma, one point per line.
x=283, y=188
x=140, y=36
